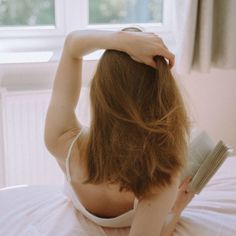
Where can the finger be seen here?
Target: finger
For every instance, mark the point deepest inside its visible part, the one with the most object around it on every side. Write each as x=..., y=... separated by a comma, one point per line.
x=172, y=61
x=167, y=54
x=185, y=183
x=160, y=40
x=189, y=192
x=189, y=195
x=171, y=57
x=186, y=179
x=189, y=177
x=163, y=44
x=184, y=186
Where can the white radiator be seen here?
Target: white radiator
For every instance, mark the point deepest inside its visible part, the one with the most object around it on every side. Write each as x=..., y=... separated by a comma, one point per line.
x=25, y=158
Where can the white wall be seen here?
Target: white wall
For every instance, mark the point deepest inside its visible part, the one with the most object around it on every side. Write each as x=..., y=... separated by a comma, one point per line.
x=211, y=97
x=213, y=102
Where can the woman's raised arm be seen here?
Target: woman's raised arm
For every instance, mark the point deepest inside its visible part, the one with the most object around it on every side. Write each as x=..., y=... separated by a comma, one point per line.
x=61, y=121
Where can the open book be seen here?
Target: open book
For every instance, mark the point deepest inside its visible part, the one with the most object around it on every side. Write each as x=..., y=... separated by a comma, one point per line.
x=204, y=159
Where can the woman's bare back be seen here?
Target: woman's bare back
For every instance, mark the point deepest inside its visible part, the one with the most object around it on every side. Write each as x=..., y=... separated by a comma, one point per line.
x=104, y=200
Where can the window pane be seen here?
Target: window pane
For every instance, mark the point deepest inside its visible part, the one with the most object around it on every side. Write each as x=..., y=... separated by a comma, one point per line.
x=27, y=12
x=125, y=11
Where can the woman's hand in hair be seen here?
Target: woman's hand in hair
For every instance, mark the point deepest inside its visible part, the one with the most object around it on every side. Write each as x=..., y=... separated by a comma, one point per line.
x=143, y=47
x=183, y=197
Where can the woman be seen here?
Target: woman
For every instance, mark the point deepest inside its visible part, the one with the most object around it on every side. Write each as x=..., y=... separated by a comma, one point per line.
x=124, y=170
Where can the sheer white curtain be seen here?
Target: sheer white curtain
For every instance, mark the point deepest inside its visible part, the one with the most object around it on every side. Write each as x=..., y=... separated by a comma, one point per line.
x=206, y=34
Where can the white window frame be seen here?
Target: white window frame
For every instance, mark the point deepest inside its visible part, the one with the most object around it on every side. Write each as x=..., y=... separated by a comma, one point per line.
x=70, y=15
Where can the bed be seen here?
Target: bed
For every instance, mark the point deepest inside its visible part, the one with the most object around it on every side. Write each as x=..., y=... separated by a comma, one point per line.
x=46, y=211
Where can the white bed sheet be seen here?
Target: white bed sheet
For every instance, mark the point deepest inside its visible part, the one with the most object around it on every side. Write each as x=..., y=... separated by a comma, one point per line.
x=46, y=211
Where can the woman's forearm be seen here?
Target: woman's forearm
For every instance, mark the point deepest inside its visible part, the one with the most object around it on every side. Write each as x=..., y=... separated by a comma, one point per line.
x=82, y=42
x=141, y=47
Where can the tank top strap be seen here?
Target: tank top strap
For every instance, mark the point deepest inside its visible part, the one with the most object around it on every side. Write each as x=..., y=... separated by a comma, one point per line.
x=68, y=175
x=135, y=203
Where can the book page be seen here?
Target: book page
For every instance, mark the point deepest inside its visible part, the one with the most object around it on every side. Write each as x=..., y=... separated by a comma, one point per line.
x=200, y=146
x=208, y=168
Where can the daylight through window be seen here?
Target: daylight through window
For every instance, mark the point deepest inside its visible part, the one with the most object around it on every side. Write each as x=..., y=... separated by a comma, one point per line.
x=125, y=11
x=14, y=13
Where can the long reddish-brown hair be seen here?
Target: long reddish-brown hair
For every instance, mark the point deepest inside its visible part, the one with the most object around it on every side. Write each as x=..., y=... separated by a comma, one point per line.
x=138, y=127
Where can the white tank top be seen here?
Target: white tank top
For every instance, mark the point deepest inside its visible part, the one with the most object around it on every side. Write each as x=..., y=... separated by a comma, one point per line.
x=123, y=220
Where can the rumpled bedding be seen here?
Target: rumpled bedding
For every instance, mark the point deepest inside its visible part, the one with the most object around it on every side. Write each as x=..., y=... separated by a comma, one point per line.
x=46, y=211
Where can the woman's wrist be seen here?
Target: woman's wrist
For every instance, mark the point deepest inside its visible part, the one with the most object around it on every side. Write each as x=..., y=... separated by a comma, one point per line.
x=170, y=224
x=175, y=211
x=121, y=41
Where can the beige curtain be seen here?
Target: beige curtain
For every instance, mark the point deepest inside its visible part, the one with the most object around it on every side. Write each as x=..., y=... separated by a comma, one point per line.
x=206, y=34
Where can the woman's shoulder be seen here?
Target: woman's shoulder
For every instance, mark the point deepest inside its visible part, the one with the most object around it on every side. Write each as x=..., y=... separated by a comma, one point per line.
x=71, y=143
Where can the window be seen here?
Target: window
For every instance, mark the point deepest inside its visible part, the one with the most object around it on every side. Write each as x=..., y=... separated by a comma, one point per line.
x=125, y=11
x=29, y=25
x=26, y=13
x=154, y=15
x=31, y=18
